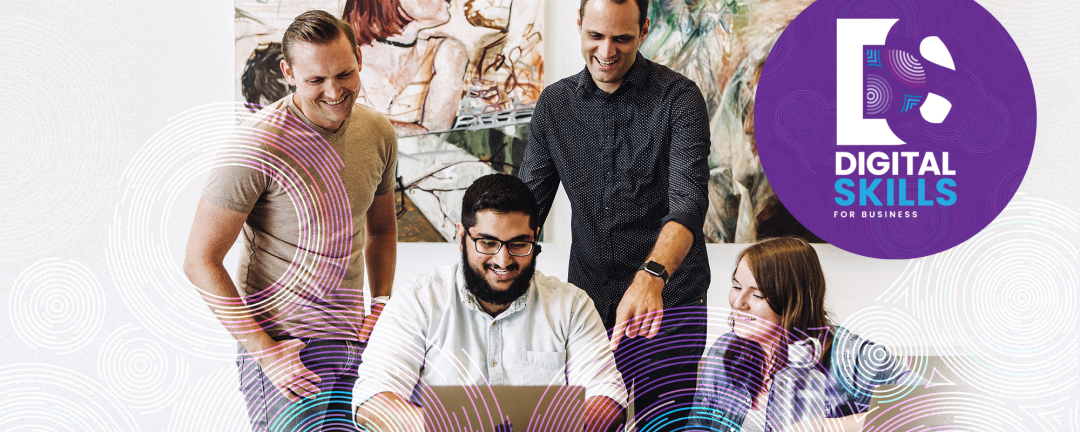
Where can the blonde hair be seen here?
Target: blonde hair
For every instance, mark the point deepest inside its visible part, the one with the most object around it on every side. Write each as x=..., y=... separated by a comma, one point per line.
x=317, y=27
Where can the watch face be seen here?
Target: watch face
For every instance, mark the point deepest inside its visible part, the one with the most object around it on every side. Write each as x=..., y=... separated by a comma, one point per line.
x=656, y=269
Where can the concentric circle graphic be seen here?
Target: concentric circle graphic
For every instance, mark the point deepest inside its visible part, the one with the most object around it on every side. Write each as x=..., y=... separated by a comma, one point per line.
x=878, y=95
x=57, y=305
x=213, y=402
x=958, y=410
x=896, y=335
x=935, y=119
x=139, y=372
x=1003, y=305
x=146, y=262
x=46, y=397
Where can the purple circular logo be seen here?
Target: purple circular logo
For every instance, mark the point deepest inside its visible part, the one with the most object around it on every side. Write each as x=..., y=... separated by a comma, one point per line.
x=895, y=128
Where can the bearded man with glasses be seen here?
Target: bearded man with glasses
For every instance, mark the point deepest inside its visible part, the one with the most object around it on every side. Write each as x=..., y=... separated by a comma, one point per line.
x=491, y=319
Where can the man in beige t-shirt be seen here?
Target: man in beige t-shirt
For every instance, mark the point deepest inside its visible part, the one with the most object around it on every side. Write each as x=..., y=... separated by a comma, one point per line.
x=309, y=181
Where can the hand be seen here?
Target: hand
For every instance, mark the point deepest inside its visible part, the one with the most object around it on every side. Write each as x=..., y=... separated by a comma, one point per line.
x=281, y=363
x=603, y=415
x=369, y=321
x=640, y=310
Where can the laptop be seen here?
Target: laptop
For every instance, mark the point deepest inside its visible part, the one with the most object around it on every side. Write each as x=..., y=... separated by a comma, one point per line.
x=503, y=408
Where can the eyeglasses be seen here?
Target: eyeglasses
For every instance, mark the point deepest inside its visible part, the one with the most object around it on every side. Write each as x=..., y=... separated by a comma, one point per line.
x=489, y=246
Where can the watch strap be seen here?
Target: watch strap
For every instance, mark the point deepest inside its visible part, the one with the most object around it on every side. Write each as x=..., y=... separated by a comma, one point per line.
x=656, y=269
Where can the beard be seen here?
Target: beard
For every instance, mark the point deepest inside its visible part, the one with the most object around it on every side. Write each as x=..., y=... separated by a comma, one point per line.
x=478, y=286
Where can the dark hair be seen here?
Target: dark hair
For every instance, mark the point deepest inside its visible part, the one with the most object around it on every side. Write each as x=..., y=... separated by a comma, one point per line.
x=501, y=193
x=642, y=6
x=317, y=27
x=788, y=274
x=375, y=19
x=262, y=82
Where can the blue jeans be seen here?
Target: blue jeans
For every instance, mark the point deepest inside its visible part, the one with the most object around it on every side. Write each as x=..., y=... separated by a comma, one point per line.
x=334, y=360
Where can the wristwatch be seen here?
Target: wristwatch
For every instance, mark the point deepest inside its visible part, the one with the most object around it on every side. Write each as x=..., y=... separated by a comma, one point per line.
x=656, y=269
x=380, y=300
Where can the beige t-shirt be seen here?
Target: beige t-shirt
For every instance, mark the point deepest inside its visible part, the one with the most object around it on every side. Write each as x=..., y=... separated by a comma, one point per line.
x=306, y=191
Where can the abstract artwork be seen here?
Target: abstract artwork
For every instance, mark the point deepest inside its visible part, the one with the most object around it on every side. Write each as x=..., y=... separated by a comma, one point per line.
x=722, y=46
x=458, y=80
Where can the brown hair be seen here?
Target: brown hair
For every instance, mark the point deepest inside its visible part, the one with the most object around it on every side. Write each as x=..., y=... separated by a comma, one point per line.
x=375, y=19
x=642, y=6
x=317, y=27
x=788, y=274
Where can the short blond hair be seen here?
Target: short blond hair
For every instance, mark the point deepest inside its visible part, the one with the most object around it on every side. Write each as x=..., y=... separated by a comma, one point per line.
x=317, y=27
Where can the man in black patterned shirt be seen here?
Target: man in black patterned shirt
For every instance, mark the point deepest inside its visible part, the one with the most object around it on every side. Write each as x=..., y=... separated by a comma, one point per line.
x=629, y=139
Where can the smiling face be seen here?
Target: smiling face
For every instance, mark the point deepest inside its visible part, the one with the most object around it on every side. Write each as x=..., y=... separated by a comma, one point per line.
x=503, y=273
x=754, y=319
x=326, y=77
x=610, y=38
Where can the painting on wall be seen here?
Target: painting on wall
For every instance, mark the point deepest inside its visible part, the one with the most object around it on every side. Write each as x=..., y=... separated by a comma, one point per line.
x=458, y=80
x=722, y=45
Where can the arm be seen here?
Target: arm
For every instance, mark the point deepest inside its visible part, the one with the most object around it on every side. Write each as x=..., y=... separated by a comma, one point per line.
x=537, y=168
x=863, y=365
x=885, y=369
x=591, y=364
x=387, y=412
x=642, y=309
x=395, y=355
x=380, y=255
x=380, y=250
x=212, y=234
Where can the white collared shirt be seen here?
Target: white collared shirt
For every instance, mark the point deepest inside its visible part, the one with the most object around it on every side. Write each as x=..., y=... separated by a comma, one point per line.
x=434, y=330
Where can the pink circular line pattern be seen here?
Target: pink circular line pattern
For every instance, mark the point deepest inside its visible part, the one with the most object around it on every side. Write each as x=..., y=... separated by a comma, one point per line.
x=144, y=239
x=556, y=410
x=322, y=206
x=210, y=403
x=905, y=67
x=878, y=95
x=560, y=413
x=483, y=411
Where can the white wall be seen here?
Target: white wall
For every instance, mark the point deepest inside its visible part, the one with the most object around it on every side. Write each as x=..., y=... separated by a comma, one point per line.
x=102, y=331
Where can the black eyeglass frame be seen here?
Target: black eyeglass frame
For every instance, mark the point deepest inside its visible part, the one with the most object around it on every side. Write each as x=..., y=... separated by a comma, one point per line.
x=502, y=243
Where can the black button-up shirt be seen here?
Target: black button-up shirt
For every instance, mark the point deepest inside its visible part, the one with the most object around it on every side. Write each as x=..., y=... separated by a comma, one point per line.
x=630, y=161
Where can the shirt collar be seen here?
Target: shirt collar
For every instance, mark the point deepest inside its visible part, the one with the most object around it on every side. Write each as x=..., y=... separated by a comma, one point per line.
x=469, y=300
x=637, y=76
x=639, y=71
